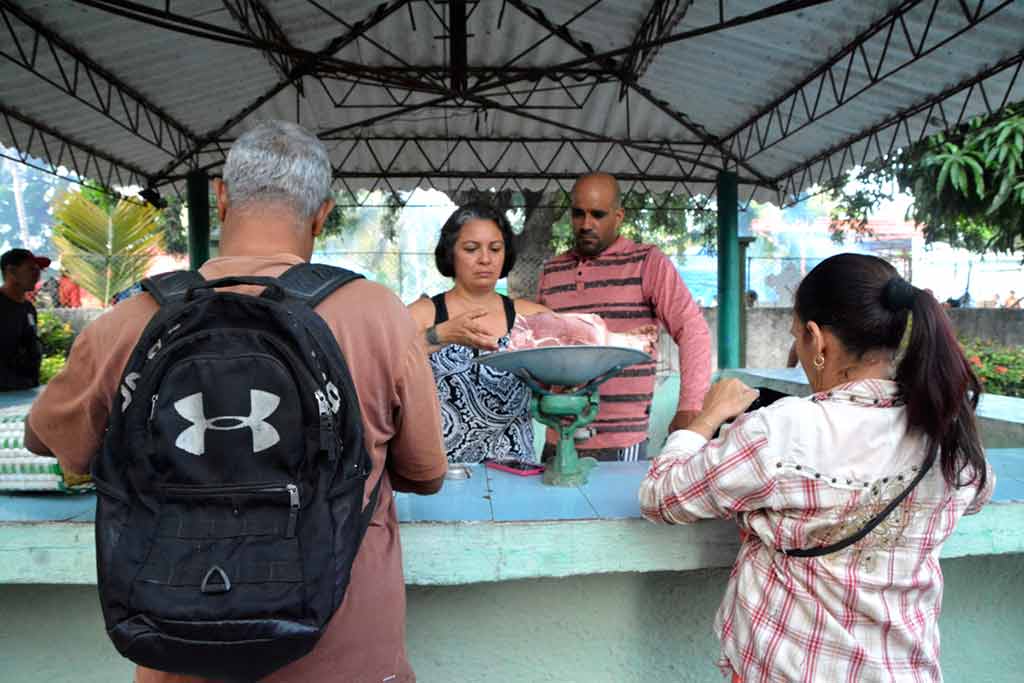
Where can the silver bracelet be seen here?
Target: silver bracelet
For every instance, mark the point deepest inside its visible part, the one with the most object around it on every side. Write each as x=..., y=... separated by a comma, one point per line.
x=432, y=337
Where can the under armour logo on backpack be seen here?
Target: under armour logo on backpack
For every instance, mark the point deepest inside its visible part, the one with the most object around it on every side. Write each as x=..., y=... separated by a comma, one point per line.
x=263, y=404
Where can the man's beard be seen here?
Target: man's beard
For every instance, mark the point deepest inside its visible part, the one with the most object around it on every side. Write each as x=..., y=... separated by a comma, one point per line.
x=588, y=248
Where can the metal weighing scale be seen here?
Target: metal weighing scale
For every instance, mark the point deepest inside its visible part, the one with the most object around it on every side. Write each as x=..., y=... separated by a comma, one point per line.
x=565, y=381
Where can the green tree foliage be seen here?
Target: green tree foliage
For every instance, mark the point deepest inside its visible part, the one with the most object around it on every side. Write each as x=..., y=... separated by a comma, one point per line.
x=55, y=335
x=105, y=250
x=173, y=218
x=967, y=184
x=1000, y=368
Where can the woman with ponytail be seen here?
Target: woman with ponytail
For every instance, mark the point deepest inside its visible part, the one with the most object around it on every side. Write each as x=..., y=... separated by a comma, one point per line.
x=845, y=498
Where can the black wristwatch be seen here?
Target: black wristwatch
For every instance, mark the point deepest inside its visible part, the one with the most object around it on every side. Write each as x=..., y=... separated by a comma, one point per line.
x=432, y=337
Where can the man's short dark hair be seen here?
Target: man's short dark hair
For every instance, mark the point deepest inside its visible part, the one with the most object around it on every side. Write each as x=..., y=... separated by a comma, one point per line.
x=15, y=257
x=444, y=252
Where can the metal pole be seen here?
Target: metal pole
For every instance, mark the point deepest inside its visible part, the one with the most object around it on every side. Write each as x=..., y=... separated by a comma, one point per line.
x=744, y=261
x=198, y=190
x=729, y=302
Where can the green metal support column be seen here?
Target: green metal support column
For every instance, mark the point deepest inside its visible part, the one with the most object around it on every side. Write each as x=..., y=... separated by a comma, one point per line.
x=729, y=285
x=198, y=189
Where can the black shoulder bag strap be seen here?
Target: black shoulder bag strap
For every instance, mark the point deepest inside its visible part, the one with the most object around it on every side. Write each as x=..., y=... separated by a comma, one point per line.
x=875, y=521
x=172, y=287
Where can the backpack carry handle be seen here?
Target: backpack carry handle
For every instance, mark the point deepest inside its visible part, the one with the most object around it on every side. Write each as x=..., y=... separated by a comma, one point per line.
x=273, y=288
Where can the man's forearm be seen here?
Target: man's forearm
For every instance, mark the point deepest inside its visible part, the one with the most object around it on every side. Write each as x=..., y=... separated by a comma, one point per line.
x=34, y=443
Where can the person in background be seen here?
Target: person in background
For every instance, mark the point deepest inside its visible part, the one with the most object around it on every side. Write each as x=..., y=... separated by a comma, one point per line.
x=807, y=600
x=485, y=412
x=751, y=298
x=69, y=293
x=272, y=203
x=628, y=285
x=20, y=350
x=1012, y=300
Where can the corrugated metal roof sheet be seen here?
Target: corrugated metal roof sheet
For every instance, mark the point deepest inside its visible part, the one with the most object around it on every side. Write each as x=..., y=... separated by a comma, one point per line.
x=696, y=108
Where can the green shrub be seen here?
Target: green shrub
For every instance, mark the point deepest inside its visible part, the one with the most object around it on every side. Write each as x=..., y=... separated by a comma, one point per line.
x=1000, y=368
x=50, y=366
x=55, y=335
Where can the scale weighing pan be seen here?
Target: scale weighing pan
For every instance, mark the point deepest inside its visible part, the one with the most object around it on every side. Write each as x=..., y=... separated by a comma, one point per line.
x=566, y=366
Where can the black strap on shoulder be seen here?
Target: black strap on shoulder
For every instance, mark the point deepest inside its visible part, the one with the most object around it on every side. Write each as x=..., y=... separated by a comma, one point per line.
x=440, y=309
x=311, y=283
x=875, y=521
x=371, y=505
x=510, y=311
x=171, y=287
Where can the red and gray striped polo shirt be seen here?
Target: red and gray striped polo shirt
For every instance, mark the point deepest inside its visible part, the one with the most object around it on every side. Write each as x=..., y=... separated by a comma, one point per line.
x=630, y=285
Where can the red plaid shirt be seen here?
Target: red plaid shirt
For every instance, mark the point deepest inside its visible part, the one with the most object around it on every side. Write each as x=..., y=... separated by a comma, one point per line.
x=809, y=472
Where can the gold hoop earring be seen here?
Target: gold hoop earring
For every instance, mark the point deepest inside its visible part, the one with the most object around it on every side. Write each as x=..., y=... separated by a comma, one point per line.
x=819, y=362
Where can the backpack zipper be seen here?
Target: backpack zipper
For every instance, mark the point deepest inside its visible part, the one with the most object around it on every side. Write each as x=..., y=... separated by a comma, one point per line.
x=293, y=509
x=212, y=491
x=328, y=442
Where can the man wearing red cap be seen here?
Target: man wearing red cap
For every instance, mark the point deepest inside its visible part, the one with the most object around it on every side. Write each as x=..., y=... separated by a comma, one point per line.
x=20, y=350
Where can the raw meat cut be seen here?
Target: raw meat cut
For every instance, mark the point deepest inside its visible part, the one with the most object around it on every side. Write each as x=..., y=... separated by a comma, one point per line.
x=576, y=329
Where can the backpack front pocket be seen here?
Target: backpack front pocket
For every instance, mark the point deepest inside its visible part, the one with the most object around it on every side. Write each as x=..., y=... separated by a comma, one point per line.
x=224, y=552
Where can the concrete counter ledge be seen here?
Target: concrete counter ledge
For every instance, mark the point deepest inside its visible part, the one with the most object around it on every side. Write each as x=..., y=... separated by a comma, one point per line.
x=497, y=526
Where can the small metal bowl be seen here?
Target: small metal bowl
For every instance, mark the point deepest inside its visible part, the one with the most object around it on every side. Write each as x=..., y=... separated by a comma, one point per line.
x=458, y=471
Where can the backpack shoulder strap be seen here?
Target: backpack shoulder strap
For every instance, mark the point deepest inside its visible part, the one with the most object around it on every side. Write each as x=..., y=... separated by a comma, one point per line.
x=171, y=287
x=311, y=283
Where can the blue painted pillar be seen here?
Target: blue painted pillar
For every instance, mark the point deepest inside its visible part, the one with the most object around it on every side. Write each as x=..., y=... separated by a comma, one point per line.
x=729, y=285
x=197, y=186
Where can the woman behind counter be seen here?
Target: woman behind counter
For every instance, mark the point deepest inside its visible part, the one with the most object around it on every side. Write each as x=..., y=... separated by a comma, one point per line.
x=803, y=476
x=485, y=413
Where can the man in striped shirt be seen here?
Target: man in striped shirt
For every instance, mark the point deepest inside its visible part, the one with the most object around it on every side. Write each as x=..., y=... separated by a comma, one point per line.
x=628, y=285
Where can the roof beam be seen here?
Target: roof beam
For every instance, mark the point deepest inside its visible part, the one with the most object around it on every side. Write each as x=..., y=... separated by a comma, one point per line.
x=895, y=132
x=457, y=45
x=38, y=139
x=256, y=20
x=661, y=19
x=306, y=66
x=617, y=70
x=778, y=9
x=82, y=78
x=829, y=86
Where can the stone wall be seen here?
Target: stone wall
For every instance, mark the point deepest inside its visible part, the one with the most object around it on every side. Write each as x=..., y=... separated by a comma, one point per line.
x=768, y=337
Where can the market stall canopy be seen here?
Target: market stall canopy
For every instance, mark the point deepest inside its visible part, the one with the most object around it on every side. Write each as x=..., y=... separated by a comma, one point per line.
x=504, y=93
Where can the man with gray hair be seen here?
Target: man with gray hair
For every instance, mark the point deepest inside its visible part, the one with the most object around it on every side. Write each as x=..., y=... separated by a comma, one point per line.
x=273, y=201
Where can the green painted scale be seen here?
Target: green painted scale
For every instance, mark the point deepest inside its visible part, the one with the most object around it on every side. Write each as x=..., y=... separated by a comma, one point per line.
x=566, y=381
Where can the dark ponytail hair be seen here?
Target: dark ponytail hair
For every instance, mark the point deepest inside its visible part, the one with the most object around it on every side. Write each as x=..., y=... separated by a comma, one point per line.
x=865, y=303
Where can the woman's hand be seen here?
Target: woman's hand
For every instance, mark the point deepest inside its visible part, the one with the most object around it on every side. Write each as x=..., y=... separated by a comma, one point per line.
x=725, y=400
x=465, y=329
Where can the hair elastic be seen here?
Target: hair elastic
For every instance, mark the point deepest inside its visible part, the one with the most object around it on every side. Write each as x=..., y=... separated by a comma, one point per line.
x=898, y=294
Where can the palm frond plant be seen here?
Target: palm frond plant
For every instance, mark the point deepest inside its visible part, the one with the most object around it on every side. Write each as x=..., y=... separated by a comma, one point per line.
x=104, y=251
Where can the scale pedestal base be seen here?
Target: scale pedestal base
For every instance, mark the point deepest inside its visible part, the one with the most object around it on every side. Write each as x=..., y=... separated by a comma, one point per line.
x=565, y=413
x=554, y=477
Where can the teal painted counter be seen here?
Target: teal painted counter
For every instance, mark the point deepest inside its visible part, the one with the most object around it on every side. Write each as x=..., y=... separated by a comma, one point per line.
x=497, y=526
x=606, y=597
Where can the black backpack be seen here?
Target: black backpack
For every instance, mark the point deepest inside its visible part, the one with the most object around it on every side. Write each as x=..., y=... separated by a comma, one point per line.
x=231, y=478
